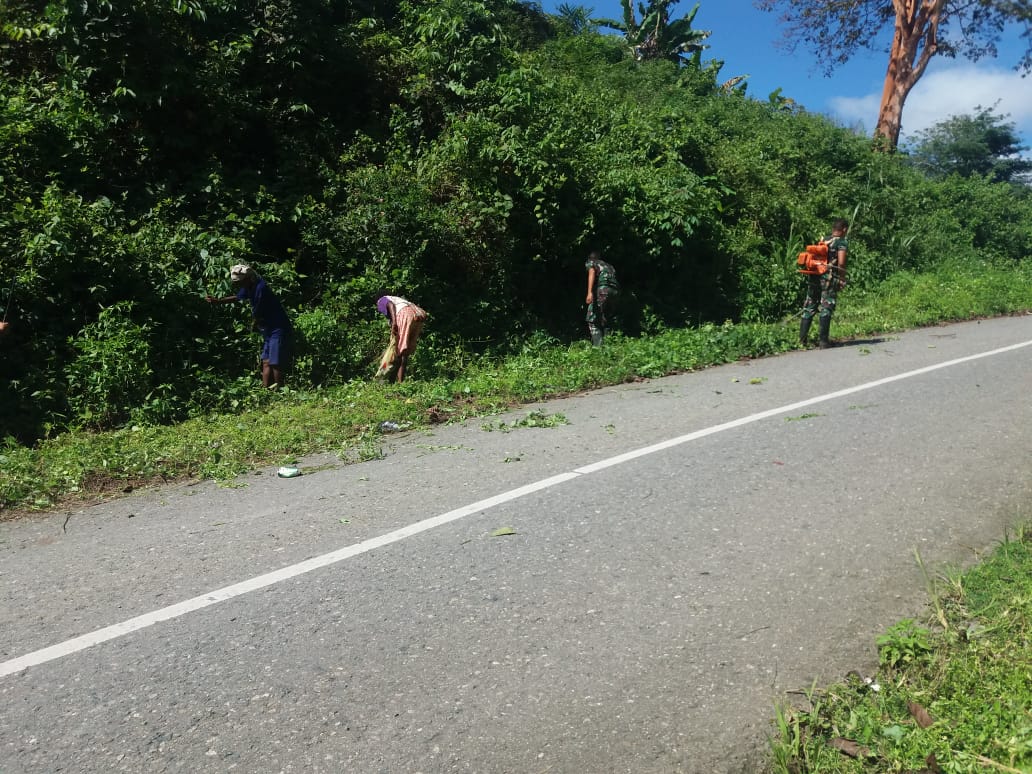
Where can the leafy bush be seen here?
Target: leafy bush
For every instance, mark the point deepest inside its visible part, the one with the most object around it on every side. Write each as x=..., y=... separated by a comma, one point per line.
x=449, y=152
x=111, y=374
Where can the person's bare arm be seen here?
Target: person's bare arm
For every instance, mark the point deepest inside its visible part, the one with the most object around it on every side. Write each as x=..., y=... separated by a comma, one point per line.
x=591, y=286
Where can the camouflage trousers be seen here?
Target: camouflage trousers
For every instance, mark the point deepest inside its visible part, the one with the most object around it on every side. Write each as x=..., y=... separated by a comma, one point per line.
x=821, y=293
x=596, y=316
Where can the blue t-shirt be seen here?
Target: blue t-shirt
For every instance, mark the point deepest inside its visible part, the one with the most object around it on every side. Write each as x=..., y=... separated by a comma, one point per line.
x=265, y=307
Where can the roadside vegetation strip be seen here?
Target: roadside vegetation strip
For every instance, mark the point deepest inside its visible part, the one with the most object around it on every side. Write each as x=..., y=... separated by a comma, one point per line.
x=953, y=692
x=277, y=429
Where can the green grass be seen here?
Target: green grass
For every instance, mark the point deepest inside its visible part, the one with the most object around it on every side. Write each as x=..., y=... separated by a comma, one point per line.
x=953, y=693
x=956, y=290
x=276, y=429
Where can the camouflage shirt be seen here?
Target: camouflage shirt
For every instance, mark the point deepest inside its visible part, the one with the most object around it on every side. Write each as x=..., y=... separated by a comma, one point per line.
x=834, y=245
x=605, y=274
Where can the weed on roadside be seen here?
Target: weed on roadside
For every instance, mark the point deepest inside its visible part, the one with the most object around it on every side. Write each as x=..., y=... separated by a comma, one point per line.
x=952, y=695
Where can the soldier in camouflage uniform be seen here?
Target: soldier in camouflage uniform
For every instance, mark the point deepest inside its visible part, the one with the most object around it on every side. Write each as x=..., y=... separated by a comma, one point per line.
x=602, y=287
x=822, y=289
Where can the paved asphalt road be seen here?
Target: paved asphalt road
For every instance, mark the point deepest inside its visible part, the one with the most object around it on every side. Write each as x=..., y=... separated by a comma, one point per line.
x=645, y=616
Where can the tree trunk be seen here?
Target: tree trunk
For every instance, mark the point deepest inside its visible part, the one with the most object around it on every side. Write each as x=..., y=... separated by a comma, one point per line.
x=898, y=83
x=914, y=43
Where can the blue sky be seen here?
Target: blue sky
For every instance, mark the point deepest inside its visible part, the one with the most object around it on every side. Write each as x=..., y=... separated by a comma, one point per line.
x=747, y=40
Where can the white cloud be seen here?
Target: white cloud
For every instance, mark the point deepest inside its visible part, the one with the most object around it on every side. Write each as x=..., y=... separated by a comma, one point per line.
x=956, y=89
x=853, y=111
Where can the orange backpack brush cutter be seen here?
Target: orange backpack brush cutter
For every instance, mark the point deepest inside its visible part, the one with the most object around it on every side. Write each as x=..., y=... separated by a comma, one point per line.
x=814, y=260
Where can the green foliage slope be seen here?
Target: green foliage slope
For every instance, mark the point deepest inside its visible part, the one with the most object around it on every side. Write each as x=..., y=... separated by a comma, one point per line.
x=466, y=153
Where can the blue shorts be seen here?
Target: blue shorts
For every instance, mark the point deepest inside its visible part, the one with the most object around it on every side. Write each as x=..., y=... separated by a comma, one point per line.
x=276, y=349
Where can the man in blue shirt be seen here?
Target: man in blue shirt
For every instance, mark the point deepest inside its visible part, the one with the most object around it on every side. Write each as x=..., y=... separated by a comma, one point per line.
x=269, y=318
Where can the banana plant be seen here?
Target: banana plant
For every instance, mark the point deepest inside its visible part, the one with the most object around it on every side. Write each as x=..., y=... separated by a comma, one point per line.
x=656, y=36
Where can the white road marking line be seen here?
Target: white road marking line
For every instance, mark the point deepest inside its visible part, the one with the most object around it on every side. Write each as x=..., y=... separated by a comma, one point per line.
x=631, y=455
x=84, y=641
x=76, y=644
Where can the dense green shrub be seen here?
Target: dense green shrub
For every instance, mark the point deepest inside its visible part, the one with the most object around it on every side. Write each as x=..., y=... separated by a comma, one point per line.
x=111, y=373
x=452, y=152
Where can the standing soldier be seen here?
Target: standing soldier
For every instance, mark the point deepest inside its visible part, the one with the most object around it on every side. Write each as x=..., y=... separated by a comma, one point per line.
x=602, y=287
x=823, y=288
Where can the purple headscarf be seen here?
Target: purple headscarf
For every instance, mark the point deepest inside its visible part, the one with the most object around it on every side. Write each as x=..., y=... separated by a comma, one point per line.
x=382, y=304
